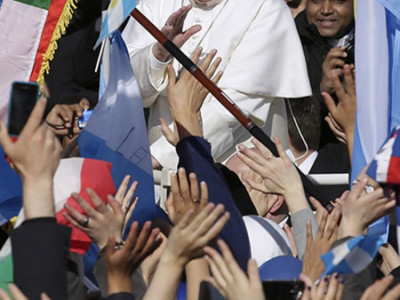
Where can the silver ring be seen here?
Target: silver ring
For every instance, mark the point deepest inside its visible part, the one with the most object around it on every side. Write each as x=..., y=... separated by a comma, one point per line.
x=124, y=207
x=196, y=201
x=270, y=157
x=85, y=223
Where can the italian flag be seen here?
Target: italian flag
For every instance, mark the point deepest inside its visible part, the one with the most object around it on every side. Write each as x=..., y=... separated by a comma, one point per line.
x=28, y=38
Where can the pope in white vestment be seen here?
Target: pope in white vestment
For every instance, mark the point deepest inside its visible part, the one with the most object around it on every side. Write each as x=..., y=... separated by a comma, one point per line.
x=262, y=61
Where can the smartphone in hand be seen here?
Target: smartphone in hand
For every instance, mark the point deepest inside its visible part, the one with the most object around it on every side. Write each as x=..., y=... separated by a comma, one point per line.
x=23, y=98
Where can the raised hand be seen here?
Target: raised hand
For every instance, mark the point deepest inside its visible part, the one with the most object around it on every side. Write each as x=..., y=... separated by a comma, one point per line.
x=360, y=209
x=343, y=113
x=279, y=174
x=326, y=235
x=186, y=242
x=63, y=118
x=332, y=67
x=122, y=261
x=35, y=155
x=185, y=195
x=99, y=222
x=190, y=235
x=229, y=278
x=186, y=96
x=173, y=30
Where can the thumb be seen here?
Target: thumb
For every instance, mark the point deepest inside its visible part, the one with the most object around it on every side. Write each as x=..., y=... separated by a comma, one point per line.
x=5, y=140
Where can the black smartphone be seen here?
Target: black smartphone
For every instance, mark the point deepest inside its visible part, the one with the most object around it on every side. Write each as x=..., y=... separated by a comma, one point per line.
x=283, y=290
x=23, y=98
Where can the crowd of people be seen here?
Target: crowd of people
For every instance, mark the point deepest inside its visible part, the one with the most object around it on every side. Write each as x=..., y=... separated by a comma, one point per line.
x=238, y=222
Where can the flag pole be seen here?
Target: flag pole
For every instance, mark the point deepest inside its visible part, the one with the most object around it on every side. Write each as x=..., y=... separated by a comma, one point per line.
x=223, y=99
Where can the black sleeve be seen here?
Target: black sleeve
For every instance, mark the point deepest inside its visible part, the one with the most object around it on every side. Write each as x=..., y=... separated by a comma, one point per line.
x=40, y=250
x=120, y=296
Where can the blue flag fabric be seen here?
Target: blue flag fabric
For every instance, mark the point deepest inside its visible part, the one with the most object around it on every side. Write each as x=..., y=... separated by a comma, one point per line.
x=10, y=190
x=352, y=256
x=378, y=68
x=116, y=131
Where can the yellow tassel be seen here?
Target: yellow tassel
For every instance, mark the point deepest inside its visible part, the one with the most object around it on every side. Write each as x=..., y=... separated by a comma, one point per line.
x=59, y=30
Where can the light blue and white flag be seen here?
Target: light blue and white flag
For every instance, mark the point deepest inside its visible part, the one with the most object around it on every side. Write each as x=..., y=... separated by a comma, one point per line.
x=377, y=58
x=116, y=14
x=352, y=256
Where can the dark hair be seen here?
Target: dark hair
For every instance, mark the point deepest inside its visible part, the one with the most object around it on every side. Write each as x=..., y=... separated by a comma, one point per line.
x=304, y=111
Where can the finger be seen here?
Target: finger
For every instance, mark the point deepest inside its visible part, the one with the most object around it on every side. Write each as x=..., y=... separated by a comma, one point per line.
x=349, y=80
x=167, y=132
x=309, y=236
x=205, y=64
x=188, y=34
x=217, y=77
x=35, y=118
x=258, y=186
x=184, y=185
x=16, y=292
x=119, y=196
x=393, y=294
x=221, y=265
x=213, y=282
x=151, y=243
x=339, y=90
x=115, y=205
x=321, y=288
x=194, y=188
x=203, y=221
x=169, y=206
x=329, y=102
x=98, y=203
x=322, y=224
x=196, y=54
x=357, y=189
x=219, y=278
x=43, y=296
x=184, y=221
x=130, y=241
x=84, y=104
x=142, y=237
x=75, y=218
x=216, y=228
x=340, y=289
x=128, y=196
x=280, y=148
x=171, y=75
x=332, y=287
x=230, y=261
x=332, y=224
x=87, y=209
x=260, y=146
x=204, y=194
x=211, y=69
x=252, y=270
x=4, y=295
x=131, y=209
x=5, y=139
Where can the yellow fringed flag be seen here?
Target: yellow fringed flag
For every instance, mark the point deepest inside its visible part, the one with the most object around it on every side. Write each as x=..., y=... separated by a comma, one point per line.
x=29, y=33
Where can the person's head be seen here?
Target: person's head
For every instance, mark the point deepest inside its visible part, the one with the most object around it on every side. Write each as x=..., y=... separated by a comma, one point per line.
x=296, y=6
x=333, y=18
x=305, y=113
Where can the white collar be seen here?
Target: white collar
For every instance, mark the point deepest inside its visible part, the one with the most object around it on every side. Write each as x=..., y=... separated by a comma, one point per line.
x=209, y=4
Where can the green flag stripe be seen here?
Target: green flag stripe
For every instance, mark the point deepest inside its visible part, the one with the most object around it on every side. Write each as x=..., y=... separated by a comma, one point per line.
x=45, y=4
